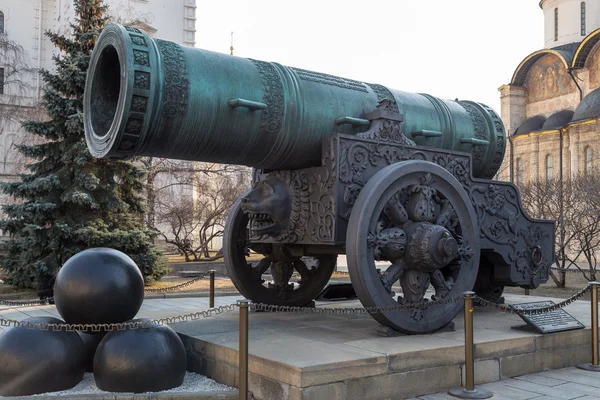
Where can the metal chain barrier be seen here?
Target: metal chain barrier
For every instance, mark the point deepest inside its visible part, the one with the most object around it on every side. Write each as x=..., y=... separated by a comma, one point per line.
x=277, y=308
x=50, y=300
x=570, y=270
x=534, y=311
x=118, y=326
x=178, y=286
x=356, y=310
x=27, y=303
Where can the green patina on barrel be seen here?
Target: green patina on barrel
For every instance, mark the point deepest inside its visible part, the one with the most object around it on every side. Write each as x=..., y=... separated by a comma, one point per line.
x=149, y=97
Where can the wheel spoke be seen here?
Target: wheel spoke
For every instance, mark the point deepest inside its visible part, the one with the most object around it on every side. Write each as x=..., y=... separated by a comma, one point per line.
x=441, y=285
x=282, y=271
x=447, y=217
x=391, y=276
x=305, y=273
x=414, y=285
x=262, y=267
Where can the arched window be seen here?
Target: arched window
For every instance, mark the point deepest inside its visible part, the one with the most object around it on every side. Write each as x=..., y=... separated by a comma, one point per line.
x=1, y=22
x=519, y=172
x=549, y=167
x=588, y=160
x=555, y=24
x=583, y=18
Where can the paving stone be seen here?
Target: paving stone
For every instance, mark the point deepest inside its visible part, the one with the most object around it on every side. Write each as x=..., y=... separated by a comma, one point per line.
x=503, y=392
x=580, y=379
x=437, y=396
x=557, y=391
x=540, y=380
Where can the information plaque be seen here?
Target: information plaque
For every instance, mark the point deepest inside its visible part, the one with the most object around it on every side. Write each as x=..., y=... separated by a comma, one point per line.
x=548, y=322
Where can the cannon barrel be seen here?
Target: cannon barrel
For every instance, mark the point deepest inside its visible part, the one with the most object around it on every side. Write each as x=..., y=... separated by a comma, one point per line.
x=149, y=97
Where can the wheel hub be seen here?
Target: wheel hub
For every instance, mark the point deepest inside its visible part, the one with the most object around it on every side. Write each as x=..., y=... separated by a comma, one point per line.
x=430, y=247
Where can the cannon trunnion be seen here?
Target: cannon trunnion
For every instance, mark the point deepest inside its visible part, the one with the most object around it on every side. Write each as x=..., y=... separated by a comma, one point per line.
x=340, y=167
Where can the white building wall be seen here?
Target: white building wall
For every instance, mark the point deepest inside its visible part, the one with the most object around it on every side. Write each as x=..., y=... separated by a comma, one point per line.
x=27, y=20
x=569, y=20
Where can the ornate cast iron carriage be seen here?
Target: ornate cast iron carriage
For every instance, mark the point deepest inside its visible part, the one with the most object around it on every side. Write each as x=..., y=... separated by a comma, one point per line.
x=399, y=182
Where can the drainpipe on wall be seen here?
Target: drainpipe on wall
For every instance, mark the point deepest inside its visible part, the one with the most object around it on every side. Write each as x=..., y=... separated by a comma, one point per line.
x=570, y=71
x=511, y=161
x=561, y=204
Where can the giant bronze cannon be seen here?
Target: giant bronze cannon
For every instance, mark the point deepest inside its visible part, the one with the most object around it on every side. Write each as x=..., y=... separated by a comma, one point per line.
x=399, y=182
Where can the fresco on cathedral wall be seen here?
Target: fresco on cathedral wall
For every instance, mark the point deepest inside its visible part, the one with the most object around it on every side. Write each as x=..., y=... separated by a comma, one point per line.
x=548, y=78
x=593, y=66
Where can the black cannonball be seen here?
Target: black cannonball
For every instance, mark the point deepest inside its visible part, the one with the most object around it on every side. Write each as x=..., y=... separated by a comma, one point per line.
x=34, y=361
x=99, y=286
x=90, y=343
x=148, y=359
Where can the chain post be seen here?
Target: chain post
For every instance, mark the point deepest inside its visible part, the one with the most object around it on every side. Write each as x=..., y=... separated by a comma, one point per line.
x=243, y=349
x=212, y=288
x=469, y=391
x=594, y=366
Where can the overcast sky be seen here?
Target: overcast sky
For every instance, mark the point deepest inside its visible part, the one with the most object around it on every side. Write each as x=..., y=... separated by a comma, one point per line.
x=460, y=49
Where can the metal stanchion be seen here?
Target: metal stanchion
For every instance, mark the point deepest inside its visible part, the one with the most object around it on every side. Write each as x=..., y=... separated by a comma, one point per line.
x=594, y=366
x=212, y=288
x=469, y=391
x=243, y=349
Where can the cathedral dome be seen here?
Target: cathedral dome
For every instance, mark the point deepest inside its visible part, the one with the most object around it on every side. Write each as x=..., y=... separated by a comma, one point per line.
x=531, y=124
x=589, y=106
x=558, y=119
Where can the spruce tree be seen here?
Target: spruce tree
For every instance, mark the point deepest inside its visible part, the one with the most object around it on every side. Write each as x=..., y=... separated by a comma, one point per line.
x=69, y=201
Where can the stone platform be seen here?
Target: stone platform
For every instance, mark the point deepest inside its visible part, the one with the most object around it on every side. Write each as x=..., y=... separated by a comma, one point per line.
x=341, y=357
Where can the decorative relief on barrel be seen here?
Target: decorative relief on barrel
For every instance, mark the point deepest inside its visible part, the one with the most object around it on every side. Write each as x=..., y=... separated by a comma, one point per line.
x=141, y=80
x=138, y=40
x=176, y=91
x=480, y=126
x=141, y=58
x=134, y=126
x=383, y=93
x=330, y=80
x=139, y=104
x=500, y=142
x=132, y=29
x=273, y=97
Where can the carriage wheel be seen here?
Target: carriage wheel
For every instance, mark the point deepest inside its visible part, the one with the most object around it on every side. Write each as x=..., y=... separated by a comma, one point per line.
x=416, y=216
x=293, y=281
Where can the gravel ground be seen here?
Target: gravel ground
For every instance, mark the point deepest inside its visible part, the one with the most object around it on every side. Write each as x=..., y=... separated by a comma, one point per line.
x=191, y=383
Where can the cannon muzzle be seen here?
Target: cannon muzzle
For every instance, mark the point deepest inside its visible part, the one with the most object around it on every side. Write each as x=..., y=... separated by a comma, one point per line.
x=149, y=97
